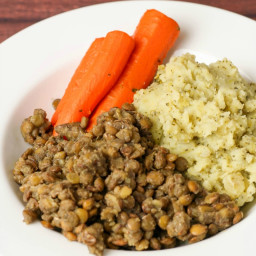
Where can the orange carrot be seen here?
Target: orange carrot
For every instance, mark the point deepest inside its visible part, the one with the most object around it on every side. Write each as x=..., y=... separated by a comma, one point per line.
x=75, y=82
x=154, y=36
x=100, y=77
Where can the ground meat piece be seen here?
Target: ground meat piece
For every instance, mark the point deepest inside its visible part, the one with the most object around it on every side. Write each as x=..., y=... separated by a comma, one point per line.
x=132, y=165
x=115, y=178
x=179, y=225
x=32, y=205
x=29, y=216
x=125, y=135
x=113, y=201
x=69, y=220
x=92, y=236
x=67, y=205
x=70, y=131
x=149, y=161
x=132, y=232
x=92, y=161
x=138, y=151
x=155, y=178
x=48, y=205
x=224, y=217
x=160, y=158
x=116, y=164
x=148, y=223
x=109, y=213
x=67, y=193
x=86, y=178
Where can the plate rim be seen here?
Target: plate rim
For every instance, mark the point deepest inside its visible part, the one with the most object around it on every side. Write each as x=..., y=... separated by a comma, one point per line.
x=45, y=21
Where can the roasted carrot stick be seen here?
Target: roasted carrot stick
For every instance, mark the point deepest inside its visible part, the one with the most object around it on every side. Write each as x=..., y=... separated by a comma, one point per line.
x=82, y=69
x=154, y=36
x=103, y=73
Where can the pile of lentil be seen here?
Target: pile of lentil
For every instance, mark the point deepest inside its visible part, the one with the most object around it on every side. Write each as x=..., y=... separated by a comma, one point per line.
x=113, y=187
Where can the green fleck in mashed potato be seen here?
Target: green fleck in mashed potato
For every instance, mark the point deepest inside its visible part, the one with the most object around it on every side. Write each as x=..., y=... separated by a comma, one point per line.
x=208, y=115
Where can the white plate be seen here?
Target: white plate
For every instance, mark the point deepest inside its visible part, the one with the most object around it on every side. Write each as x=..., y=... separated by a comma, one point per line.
x=36, y=65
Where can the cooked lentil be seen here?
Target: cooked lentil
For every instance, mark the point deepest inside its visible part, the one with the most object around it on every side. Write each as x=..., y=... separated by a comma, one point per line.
x=112, y=187
x=55, y=103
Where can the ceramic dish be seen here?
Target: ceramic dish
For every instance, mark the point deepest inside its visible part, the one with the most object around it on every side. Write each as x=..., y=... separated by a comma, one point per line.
x=36, y=65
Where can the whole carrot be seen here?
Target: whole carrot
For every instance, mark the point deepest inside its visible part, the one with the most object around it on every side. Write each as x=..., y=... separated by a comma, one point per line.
x=100, y=77
x=154, y=36
x=81, y=70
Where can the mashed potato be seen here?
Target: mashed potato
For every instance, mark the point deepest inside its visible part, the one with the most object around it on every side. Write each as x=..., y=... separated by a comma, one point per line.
x=208, y=115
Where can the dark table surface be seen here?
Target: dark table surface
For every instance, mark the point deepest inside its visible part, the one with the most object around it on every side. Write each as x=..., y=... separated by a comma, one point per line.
x=16, y=15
